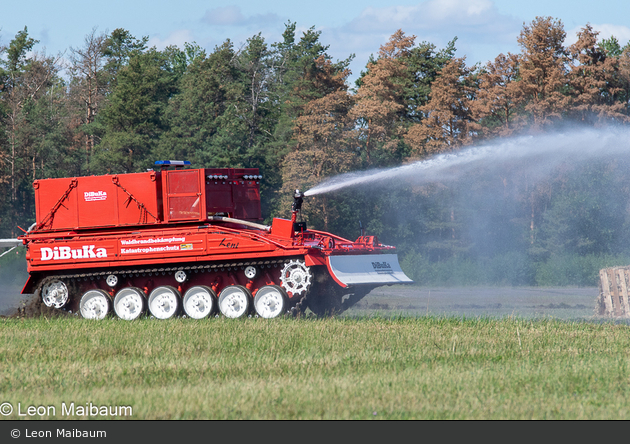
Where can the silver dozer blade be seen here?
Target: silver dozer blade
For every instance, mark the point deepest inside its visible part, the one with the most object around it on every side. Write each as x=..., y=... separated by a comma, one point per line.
x=379, y=269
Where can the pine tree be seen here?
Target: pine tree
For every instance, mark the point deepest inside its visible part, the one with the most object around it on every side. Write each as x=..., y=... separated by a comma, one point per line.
x=380, y=105
x=324, y=144
x=32, y=116
x=204, y=117
x=499, y=100
x=88, y=87
x=596, y=87
x=134, y=117
x=447, y=124
x=542, y=72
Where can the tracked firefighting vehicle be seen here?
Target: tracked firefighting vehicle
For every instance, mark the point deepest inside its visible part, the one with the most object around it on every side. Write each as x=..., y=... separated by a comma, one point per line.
x=181, y=241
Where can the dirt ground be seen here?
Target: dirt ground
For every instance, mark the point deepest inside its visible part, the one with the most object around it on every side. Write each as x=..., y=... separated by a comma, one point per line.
x=522, y=302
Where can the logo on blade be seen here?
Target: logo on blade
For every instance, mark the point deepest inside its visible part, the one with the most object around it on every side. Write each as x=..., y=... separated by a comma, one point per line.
x=382, y=267
x=91, y=196
x=62, y=253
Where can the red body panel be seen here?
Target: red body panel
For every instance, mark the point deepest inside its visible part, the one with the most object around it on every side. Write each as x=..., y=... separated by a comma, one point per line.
x=126, y=248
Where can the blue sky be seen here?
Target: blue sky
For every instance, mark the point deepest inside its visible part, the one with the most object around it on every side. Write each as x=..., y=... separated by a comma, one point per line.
x=484, y=28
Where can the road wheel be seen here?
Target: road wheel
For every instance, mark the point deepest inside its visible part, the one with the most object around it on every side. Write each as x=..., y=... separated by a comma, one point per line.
x=234, y=301
x=95, y=304
x=129, y=303
x=270, y=301
x=199, y=302
x=164, y=302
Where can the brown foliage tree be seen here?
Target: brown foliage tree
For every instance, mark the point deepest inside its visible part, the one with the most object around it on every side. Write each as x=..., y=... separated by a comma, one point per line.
x=594, y=79
x=499, y=97
x=379, y=101
x=542, y=71
x=448, y=116
x=324, y=144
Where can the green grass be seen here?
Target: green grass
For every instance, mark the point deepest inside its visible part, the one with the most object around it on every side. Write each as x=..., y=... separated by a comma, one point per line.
x=339, y=368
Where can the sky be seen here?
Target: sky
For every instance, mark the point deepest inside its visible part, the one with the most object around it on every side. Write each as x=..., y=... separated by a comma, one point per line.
x=484, y=28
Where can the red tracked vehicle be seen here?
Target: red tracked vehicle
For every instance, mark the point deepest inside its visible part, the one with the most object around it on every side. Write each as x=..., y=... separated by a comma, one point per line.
x=189, y=241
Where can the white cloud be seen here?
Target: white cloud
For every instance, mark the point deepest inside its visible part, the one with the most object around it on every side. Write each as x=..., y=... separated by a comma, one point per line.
x=224, y=16
x=606, y=31
x=461, y=11
x=482, y=31
x=232, y=16
x=480, y=17
x=176, y=38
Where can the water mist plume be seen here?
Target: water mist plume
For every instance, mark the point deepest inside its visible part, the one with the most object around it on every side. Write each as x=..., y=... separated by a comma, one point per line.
x=538, y=154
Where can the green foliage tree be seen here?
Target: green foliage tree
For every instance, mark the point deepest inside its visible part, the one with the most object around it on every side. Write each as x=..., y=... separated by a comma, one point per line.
x=134, y=117
x=203, y=123
x=118, y=49
x=300, y=73
x=35, y=138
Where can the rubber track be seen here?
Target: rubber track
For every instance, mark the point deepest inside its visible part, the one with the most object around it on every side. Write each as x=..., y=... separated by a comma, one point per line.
x=190, y=267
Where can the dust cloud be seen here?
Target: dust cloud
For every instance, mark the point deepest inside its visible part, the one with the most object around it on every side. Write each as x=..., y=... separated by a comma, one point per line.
x=13, y=276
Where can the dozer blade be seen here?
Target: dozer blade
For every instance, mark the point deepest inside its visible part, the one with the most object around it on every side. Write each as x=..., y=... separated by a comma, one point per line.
x=379, y=269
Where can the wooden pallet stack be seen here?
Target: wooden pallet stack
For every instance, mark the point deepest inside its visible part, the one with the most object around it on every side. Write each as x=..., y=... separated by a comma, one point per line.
x=614, y=285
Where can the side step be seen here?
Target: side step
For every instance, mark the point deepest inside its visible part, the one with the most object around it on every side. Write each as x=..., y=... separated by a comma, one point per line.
x=374, y=269
x=614, y=285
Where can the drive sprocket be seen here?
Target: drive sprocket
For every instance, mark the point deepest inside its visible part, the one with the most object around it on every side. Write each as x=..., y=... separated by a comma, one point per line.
x=295, y=277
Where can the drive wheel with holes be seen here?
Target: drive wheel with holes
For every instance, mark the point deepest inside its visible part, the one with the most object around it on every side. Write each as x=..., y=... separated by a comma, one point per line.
x=95, y=304
x=199, y=302
x=55, y=293
x=129, y=303
x=234, y=301
x=164, y=302
x=270, y=301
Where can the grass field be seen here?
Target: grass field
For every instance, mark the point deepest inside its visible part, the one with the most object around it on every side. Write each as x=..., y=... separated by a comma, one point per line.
x=429, y=367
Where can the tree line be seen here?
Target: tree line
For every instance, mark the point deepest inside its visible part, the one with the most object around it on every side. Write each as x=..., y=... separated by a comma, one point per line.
x=114, y=105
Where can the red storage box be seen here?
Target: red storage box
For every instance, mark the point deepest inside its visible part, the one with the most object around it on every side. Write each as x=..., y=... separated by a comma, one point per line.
x=98, y=201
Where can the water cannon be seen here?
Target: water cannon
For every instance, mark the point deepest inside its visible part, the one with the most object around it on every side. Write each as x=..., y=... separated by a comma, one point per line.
x=298, y=199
